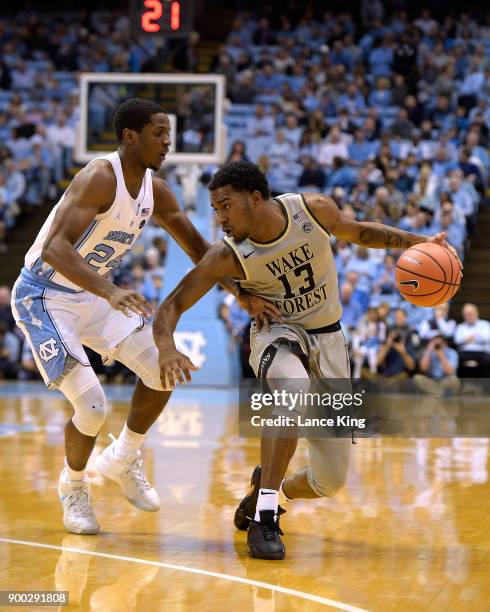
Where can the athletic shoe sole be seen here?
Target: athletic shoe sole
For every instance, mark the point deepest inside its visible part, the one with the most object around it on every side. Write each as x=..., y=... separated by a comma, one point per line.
x=241, y=520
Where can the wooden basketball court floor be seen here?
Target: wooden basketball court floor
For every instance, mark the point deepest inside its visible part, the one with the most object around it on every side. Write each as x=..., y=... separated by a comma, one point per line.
x=410, y=531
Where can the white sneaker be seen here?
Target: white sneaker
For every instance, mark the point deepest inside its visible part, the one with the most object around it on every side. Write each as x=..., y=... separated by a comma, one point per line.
x=129, y=475
x=78, y=514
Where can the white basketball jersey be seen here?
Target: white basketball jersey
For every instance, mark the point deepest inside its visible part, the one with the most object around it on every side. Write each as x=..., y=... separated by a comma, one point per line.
x=108, y=238
x=296, y=271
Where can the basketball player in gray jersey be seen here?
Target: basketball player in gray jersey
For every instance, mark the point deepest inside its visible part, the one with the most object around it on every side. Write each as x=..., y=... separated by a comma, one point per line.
x=64, y=298
x=280, y=250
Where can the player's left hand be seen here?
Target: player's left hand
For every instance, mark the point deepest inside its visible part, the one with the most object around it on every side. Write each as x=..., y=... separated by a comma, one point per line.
x=440, y=238
x=174, y=367
x=259, y=309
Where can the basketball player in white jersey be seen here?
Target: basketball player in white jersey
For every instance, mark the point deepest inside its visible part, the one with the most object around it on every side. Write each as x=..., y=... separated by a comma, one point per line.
x=65, y=298
x=279, y=249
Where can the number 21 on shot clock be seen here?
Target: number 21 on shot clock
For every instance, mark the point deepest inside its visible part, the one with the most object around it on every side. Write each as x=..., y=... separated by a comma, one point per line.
x=162, y=16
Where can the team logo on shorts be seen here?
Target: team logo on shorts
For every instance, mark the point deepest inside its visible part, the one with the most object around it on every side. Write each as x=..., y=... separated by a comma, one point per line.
x=48, y=350
x=307, y=227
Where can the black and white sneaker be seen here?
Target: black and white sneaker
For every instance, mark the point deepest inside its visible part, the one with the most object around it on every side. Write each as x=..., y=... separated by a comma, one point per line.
x=263, y=538
x=246, y=509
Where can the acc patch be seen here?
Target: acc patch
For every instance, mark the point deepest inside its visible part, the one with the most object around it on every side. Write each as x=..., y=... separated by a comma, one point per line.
x=307, y=227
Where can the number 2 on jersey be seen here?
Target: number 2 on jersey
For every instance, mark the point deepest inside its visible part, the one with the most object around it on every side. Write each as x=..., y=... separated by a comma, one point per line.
x=101, y=254
x=309, y=281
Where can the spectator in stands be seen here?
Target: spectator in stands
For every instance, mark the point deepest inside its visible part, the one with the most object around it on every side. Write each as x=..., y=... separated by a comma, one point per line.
x=380, y=96
x=28, y=369
x=472, y=339
x=61, y=139
x=402, y=126
x=438, y=366
x=238, y=152
x=4, y=212
x=455, y=233
x=243, y=90
x=438, y=325
x=15, y=185
x=381, y=58
x=335, y=146
x=384, y=283
x=281, y=151
x=5, y=309
x=292, y=132
x=352, y=100
x=351, y=308
x=342, y=175
x=263, y=34
x=268, y=81
x=38, y=174
x=360, y=150
x=309, y=145
x=396, y=356
x=313, y=177
x=366, y=342
x=9, y=352
x=460, y=195
x=260, y=124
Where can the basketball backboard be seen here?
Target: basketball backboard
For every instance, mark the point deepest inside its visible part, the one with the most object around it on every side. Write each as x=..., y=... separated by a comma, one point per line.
x=193, y=102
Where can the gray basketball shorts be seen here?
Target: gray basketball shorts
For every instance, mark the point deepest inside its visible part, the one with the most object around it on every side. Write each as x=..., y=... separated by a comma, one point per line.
x=289, y=354
x=322, y=355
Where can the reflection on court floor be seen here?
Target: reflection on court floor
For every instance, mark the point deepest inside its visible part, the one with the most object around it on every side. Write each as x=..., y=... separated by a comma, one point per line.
x=411, y=530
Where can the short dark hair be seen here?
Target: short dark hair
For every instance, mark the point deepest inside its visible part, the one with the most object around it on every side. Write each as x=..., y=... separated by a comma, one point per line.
x=134, y=114
x=242, y=176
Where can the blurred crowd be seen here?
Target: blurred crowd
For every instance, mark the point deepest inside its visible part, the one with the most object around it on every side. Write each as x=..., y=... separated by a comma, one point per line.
x=391, y=118
x=388, y=114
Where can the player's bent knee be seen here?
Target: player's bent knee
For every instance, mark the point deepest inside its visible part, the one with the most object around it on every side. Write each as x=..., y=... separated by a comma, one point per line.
x=139, y=353
x=326, y=485
x=83, y=390
x=147, y=369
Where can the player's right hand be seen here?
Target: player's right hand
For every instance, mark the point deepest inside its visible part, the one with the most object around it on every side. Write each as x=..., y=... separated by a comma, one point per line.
x=128, y=300
x=174, y=366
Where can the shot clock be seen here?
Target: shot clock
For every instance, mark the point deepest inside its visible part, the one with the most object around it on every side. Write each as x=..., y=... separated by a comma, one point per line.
x=167, y=17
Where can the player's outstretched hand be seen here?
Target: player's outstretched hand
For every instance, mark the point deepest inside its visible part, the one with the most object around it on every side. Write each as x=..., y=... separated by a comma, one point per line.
x=261, y=310
x=128, y=300
x=174, y=366
x=440, y=238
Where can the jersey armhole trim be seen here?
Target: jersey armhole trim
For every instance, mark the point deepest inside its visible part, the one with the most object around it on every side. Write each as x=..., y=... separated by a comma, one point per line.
x=312, y=215
x=239, y=259
x=108, y=212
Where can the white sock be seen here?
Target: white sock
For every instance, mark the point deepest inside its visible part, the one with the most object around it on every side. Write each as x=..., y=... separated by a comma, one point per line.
x=74, y=475
x=283, y=498
x=128, y=443
x=268, y=500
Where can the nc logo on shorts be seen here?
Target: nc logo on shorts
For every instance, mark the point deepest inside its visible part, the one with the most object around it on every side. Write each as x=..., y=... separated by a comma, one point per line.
x=307, y=227
x=48, y=350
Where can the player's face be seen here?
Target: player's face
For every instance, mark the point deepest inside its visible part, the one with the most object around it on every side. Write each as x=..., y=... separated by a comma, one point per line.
x=234, y=211
x=153, y=141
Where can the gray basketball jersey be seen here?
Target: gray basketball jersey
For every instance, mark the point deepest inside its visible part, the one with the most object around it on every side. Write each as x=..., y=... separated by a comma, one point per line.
x=296, y=271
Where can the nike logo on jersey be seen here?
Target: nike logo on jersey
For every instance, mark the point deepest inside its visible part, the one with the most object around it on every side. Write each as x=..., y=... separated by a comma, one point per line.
x=267, y=493
x=414, y=283
x=248, y=255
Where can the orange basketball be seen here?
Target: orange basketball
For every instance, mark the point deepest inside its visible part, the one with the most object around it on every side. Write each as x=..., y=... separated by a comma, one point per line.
x=427, y=274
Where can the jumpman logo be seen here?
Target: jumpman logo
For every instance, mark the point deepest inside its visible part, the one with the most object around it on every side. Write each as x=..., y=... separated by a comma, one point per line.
x=48, y=350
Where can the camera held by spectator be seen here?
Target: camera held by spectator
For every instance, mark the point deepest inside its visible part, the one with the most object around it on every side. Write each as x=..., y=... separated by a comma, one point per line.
x=438, y=366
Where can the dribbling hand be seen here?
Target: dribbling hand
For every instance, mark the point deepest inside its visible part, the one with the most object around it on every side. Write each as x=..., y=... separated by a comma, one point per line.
x=440, y=238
